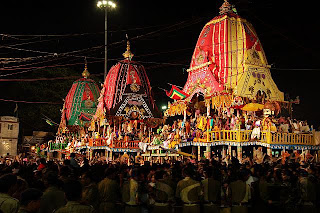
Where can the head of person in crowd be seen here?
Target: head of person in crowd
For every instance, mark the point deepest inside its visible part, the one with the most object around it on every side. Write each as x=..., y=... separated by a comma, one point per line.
x=50, y=179
x=8, y=184
x=134, y=173
x=42, y=164
x=303, y=174
x=64, y=172
x=277, y=175
x=188, y=172
x=42, y=161
x=85, y=161
x=66, y=162
x=15, y=167
x=158, y=175
x=20, y=186
x=208, y=172
x=73, y=190
x=30, y=200
x=110, y=173
x=72, y=155
x=245, y=174
x=86, y=178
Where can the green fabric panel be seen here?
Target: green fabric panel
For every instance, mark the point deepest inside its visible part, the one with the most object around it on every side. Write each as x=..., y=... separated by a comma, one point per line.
x=95, y=91
x=76, y=102
x=78, y=105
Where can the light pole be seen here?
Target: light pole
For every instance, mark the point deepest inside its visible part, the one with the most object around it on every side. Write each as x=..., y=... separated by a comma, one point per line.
x=105, y=4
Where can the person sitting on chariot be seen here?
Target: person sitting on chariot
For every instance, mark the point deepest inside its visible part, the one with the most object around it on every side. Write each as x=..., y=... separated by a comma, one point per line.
x=177, y=135
x=255, y=135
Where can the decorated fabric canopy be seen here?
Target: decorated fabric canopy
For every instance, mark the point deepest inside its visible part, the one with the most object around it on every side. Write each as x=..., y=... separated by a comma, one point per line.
x=229, y=54
x=81, y=101
x=126, y=91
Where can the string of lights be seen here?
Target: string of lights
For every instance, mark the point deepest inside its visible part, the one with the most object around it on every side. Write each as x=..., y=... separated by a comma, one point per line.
x=62, y=57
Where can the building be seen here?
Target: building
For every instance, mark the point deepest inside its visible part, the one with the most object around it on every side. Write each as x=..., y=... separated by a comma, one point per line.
x=9, y=133
x=37, y=138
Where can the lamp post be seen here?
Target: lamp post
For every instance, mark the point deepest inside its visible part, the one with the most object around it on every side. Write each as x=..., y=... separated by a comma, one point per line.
x=105, y=4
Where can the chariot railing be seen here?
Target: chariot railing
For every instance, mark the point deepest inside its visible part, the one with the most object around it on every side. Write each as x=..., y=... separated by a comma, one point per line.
x=114, y=144
x=265, y=137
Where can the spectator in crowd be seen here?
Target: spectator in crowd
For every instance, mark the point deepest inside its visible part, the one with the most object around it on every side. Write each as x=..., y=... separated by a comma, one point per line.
x=30, y=201
x=8, y=204
x=73, y=191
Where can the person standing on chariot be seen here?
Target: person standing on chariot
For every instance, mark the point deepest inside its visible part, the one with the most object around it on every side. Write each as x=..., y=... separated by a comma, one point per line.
x=188, y=128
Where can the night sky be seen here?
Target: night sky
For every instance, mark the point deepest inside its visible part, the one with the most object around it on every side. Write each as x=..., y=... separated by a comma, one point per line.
x=163, y=35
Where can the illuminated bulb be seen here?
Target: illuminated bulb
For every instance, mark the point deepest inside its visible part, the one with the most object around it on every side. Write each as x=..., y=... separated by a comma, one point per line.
x=105, y=3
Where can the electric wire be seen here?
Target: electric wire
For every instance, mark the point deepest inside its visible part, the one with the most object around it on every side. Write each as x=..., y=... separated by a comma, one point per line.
x=31, y=102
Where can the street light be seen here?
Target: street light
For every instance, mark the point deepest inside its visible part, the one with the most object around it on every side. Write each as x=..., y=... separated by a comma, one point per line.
x=105, y=4
x=164, y=107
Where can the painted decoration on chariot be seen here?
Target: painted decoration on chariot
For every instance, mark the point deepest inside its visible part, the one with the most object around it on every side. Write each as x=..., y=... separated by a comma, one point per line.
x=176, y=108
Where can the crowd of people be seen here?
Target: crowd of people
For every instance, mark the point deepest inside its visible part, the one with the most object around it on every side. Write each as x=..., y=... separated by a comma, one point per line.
x=289, y=183
x=187, y=185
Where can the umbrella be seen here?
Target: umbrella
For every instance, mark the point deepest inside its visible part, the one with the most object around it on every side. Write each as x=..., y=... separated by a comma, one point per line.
x=253, y=107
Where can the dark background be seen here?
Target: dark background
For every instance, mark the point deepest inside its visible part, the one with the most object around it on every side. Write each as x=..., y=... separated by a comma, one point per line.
x=162, y=34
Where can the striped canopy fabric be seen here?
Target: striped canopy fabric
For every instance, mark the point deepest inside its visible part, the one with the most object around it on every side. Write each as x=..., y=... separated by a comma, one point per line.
x=229, y=54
